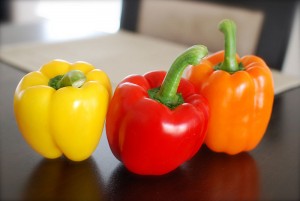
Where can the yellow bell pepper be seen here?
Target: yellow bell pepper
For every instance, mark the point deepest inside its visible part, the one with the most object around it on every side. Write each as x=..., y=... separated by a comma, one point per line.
x=61, y=109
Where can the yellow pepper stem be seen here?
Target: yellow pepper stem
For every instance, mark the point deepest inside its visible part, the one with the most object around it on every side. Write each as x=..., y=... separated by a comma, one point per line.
x=74, y=78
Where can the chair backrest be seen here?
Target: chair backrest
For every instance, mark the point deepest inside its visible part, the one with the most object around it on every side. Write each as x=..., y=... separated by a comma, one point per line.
x=263, y=25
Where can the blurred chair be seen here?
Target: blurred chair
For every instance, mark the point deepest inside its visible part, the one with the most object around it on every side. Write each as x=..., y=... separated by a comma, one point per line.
x=263, y=27
x=5, y=11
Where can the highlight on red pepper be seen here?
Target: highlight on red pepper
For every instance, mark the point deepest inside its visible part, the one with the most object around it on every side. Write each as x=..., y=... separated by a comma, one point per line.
x=157, y=121
x=240, y=93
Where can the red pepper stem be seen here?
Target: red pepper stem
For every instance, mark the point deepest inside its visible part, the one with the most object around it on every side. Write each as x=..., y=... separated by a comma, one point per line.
x=167, y=93
x=74, y=78
x=228, y=28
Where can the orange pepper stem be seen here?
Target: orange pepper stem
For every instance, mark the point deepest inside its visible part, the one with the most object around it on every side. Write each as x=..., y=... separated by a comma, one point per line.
x=74, y=78
x=230, y=64
x=167, y=93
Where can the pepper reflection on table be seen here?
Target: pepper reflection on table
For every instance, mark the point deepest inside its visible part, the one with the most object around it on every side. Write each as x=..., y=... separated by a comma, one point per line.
x=62, y=179
x=208, y=176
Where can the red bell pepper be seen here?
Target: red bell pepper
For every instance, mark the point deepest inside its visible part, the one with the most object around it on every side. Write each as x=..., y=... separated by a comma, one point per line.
x=150, y=126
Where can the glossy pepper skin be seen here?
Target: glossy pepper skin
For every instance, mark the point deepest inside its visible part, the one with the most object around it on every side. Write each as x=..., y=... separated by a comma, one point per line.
x=67, y=120
x=148, y=136
x=240, y=93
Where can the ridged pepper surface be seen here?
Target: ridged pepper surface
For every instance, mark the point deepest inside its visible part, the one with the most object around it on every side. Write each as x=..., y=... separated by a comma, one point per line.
x=157, y=121
x=240, y=93
x=61, y=108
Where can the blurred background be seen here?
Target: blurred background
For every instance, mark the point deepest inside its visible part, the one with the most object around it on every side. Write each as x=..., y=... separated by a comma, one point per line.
x=103, y=14
x=68, y=19
x=65, y=18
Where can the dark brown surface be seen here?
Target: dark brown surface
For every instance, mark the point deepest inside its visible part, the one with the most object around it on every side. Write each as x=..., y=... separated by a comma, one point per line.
x=270, y=172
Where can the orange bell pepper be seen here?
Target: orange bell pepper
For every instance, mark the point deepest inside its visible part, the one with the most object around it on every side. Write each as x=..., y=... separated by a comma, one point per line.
x=240, y=93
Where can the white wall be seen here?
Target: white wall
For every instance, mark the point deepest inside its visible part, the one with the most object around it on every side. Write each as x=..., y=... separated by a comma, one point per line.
x=101, y=15
x=24, y=11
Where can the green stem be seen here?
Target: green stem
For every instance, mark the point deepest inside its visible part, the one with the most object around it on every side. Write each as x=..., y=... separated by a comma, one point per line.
x=74, y=78
x=230, y=64
x=167, y=93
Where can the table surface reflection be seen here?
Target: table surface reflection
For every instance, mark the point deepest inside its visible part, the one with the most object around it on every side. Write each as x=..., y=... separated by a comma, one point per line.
x=270, y=172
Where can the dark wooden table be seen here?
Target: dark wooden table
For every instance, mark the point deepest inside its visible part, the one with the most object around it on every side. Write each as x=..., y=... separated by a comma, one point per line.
x=270, y=172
